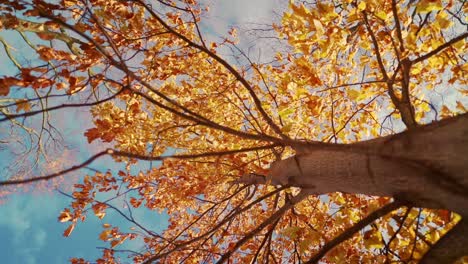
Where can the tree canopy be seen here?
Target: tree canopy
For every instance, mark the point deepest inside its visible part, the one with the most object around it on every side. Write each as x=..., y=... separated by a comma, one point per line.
x=346, y=145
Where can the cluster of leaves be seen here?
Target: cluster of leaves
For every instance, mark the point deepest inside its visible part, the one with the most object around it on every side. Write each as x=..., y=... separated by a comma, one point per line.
x=350, y=70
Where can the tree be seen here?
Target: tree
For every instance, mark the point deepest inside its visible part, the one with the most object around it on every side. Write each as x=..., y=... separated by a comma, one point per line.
x=367, y=164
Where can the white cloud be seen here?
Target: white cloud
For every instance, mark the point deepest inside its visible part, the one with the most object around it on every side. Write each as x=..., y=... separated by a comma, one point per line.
x=23, y=215
x=224, y=13
x=40, y=237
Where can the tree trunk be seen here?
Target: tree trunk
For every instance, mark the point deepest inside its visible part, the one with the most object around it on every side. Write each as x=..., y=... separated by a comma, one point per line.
x=426, y=166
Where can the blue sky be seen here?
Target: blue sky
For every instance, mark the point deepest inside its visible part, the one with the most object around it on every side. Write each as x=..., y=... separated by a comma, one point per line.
x=29, y=228
x=31, y=233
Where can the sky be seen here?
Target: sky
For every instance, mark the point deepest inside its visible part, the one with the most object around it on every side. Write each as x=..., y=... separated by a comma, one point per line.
x=29, y=230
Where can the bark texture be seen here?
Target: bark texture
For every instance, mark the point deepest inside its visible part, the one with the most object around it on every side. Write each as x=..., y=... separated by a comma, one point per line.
x=428, y=166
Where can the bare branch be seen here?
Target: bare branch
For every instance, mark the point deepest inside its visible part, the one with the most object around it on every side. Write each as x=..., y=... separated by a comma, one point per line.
x=130, y=155
x=62, y=106
x=376, y=47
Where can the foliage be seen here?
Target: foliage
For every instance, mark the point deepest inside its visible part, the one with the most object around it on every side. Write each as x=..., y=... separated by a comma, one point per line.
x=159, y=90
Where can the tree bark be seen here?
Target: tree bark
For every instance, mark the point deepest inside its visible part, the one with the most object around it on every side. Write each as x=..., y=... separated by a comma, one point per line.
x=428, y=166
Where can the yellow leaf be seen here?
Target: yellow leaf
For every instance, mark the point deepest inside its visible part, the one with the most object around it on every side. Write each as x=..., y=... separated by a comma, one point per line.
x=339, y=199
x=381, y=14
x=373, y=239
x=456, y=217
x=425, y=107
x=365, y=45
x=299, y=92
x=433, y=236
x=300, y=10
x=286, y=112
x=459, y=44
x=99, y=210
x=101, y=215
x=362, y=6
x=464, y=67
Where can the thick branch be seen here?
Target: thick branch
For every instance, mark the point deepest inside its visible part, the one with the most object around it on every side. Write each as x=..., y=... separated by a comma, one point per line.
x=376, y=47
x=397, y=25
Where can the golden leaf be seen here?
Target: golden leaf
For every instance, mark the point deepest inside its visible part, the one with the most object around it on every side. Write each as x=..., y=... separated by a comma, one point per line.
x=426, y=6
x=353, y=94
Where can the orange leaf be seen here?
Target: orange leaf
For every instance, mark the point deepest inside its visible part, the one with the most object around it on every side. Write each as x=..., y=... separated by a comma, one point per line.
x=65, y=216
x=45, y=36
x=105, y=234
x=445, y=215
x=92, y=134
x=68, y=231
x=114, y=243
x=99, y=210
x=135, y=202
x=4, y=90
x=6, y=83
x=22, y=105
